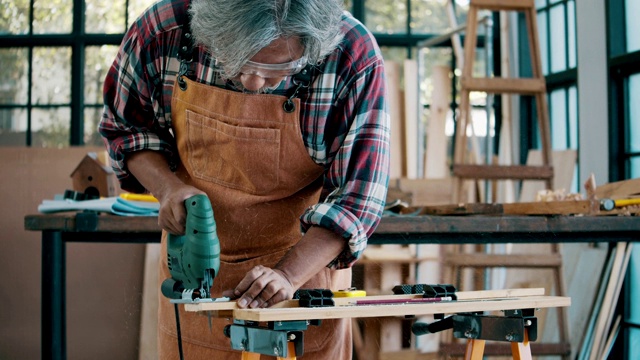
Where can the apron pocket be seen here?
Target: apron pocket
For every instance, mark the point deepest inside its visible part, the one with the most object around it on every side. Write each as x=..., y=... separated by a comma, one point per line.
x=246, y=159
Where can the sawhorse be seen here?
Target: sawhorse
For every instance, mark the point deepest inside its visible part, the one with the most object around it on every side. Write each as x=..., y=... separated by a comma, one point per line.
x=282, y=339
x=518, y=327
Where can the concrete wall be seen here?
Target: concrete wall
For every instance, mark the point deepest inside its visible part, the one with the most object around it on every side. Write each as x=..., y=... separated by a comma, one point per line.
x=104, y=281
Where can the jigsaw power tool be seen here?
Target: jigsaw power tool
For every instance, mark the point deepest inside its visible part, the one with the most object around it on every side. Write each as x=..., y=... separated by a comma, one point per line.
x=193, y=259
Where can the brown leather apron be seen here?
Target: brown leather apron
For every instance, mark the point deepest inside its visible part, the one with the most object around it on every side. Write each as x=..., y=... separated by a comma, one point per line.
x=247, y=154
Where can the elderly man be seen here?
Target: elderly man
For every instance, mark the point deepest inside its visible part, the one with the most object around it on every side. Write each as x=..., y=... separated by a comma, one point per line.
x=276, y=110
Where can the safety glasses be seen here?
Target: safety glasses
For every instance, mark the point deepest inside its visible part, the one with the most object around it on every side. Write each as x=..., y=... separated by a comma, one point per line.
x=269, y=70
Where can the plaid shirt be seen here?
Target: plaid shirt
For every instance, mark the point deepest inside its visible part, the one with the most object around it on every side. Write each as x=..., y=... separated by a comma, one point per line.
x=344, y=117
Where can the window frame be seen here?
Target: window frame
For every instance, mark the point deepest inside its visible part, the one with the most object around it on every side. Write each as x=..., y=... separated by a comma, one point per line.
x=78, y=41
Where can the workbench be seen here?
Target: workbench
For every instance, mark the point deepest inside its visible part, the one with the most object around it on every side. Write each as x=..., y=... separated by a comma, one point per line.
x=58, y=229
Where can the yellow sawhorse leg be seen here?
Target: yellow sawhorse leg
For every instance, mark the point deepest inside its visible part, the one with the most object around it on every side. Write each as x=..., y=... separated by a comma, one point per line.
x=475, y=349
x=519, y=350
x=291, y=350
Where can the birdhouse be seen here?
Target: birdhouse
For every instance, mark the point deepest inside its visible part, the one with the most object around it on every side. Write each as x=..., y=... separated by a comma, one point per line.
x=92, y=177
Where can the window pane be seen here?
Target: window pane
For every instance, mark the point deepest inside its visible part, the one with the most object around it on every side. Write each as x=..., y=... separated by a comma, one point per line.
x=98, y=59
x=544, y=45
x=136, y=7
x=540, y=3
x=558, y=118
x=13, y=127
x=104, y=16
x=13, y=76
x=558, y=40
x=92, y=116
x=51, y=75
x=634, y=113
x=571, y=36
x=52, y=16
x=50, y=127
x=429, y=59
x=430, y=17
x=14, y=16
x=386, y=16
x=634, y=165
x=573, y=117
x=632, y=9
x=634, y=278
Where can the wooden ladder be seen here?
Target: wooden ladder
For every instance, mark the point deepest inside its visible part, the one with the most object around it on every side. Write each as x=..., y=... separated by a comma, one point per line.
x=525, y=86
x=534, y=86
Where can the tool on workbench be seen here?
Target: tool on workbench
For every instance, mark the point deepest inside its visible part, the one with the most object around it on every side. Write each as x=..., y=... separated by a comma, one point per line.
x=193, y=259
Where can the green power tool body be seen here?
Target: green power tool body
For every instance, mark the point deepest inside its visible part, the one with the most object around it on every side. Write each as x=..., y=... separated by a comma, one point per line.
x=193, y=259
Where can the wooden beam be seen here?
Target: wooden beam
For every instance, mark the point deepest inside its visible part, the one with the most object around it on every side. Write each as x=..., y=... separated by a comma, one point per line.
x=520, y=172
x=504, y=85
x=619, y=189
x=519, y=5
x=500, y=260
x=568, y=207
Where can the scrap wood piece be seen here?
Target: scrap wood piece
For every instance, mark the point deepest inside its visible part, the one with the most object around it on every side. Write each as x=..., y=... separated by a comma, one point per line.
x=618, y=189
x=614, y=284
x=568, y=207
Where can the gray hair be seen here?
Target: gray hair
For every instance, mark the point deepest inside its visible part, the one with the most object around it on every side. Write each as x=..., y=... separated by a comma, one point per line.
x=235, y=30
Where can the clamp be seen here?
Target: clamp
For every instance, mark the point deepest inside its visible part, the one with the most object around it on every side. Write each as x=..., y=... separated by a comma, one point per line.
x=518, y=327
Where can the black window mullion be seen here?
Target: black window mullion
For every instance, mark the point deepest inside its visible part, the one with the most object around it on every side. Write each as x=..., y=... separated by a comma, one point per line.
x=77, y=74
x=359, y=10
x=29, y=138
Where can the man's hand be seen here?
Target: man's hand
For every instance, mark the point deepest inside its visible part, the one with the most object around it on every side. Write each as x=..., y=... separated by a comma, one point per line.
x=173, y=215
x=152, y=171
x=262, y=287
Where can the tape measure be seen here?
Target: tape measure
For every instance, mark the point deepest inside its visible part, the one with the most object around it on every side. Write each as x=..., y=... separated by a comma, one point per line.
x=352, y=292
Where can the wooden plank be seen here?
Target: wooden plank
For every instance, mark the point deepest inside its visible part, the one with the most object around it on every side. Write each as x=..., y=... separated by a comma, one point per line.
x=397, y=141
x=496, y=5
x=618, y=280
x=411, y=117
x=587, y=339
x=521, y=172
x=618, y=189
x=423, y=191
x=500, y=260
x=345, y=301
x=568, y=207
x=436, y=154
x=366, y=311
x=524, y=86
x=609, y=300
x=563, y=170
x=390, y=329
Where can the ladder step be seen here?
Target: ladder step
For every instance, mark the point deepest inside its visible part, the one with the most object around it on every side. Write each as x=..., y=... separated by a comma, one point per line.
x=526, y=86
x=499, y=260
x=492, y=172
x=508, y=5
